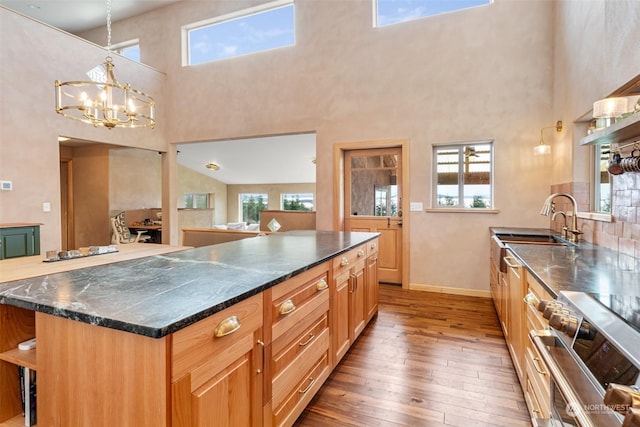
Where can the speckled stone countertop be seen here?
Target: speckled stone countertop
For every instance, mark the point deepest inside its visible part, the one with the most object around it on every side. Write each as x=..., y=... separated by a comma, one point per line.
x=158, y=295
x=583, y=267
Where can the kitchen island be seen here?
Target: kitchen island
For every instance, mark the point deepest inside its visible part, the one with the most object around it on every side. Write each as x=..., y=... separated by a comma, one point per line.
x=196, y=337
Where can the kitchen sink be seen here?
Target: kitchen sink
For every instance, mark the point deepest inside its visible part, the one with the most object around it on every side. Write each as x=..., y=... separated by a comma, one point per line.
x=532, y=239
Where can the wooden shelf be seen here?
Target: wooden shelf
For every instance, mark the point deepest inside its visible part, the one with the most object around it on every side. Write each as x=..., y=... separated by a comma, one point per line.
x=620, y=131
x=26, y=358
x=17, y=421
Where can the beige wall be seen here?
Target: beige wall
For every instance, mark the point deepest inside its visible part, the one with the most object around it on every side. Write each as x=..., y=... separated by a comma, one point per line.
x=482, y=73
x=273, y=191
x=190, y=181
x=135, y=179
x=33, y=56
x=596, y=51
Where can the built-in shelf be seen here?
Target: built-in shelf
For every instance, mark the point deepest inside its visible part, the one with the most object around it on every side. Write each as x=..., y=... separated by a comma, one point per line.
x=26, y=358
x=620, y=131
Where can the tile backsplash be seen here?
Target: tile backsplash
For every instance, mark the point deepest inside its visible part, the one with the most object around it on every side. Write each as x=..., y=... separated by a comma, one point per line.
x=623, y=233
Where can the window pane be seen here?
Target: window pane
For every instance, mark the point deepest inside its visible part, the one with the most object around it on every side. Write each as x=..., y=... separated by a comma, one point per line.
x=251, y=33
x=463, y=176
x=297, y=202
x=394, y=11
x=602, y=179
x=251, y=205
x=131, y=52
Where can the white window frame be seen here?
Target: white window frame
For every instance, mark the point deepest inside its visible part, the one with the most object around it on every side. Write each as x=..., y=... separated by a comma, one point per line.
x=460, y=205
x=241, y=206
x=376, y=24
x=186, y=29
x=120, y=47
x=282, y=196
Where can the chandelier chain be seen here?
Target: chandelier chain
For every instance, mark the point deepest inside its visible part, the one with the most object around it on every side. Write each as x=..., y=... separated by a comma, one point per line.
x=109, y=25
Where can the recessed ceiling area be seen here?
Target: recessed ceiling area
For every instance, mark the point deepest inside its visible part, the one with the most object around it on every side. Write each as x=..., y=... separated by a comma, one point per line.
x=75, y=16
x=268, y=160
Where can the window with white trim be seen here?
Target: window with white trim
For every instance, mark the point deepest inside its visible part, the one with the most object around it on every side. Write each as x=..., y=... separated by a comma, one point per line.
x=265, y=27
x=388, y=12
x=463, y=175
x=251, y=204
x=198, y=200
x=601, y=179
x=297, y=202
x=129, y=49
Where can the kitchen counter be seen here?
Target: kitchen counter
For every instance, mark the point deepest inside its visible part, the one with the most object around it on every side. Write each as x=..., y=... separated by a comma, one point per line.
x=161, y=294
x=583, y=267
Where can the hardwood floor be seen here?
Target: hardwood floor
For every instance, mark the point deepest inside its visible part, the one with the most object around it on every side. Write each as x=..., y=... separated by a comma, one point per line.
x=428, y=359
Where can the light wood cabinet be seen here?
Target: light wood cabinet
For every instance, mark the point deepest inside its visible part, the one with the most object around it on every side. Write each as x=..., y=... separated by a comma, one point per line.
x=514, y=325
x=537, y=392
x=371, y=282
x=349, y=317
x=217, y=369
x=299, y=350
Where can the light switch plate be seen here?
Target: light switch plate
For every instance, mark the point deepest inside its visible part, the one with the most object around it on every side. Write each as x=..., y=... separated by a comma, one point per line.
x=416, y=206
x=46, y=207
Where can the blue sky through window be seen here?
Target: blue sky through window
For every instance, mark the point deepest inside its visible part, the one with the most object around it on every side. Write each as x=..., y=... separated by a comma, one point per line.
x=240, y=36
x=394, y=11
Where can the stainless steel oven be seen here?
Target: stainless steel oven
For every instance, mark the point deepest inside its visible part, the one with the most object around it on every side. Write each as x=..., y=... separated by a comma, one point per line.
x=587, y=349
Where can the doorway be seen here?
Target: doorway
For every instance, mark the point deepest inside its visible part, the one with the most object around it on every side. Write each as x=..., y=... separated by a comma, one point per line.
x=66, y=203
x=373, y=192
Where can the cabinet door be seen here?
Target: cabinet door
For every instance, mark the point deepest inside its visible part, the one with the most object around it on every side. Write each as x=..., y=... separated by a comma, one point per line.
x=357, y=314
x=224, y=400
x=341, y=340
x=371, y=287
x=515, y=316
x=19, y=242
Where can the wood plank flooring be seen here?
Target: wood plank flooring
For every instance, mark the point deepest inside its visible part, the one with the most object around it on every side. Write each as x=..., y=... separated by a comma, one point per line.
x=428, y=359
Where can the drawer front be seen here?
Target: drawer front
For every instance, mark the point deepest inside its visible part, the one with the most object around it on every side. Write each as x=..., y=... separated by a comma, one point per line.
x=294, y=403
x=372, y=247
x=538, y=380
x=288, y=347
x=195, y=344
x=349, y=259
x=293, y=301
x=292, y=377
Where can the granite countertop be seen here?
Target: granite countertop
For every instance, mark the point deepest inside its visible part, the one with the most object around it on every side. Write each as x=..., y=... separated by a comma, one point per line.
x=158, y=295
x=582, y=267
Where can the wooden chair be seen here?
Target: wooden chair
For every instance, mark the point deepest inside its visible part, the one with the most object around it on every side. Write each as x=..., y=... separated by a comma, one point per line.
x=120, y=231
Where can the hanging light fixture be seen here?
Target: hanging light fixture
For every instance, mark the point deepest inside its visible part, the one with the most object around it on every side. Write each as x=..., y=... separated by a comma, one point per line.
x=104, y=101
x=543, y=148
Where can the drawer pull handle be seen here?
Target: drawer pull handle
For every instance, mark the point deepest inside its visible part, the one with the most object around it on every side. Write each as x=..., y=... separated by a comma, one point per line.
x=360, y=253
x=344, y=261
x=536, y=361
x=373, y=246
x=227, y=326
x=311, y=337
x=322, y=285
x=287, y=307
x=306, y=389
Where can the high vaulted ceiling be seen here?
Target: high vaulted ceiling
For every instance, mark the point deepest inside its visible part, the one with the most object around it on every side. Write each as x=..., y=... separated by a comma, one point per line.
x=75, y=16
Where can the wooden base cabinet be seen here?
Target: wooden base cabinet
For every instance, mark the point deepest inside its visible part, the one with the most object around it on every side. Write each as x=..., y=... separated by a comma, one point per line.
x=217, y=369
x=298, y=353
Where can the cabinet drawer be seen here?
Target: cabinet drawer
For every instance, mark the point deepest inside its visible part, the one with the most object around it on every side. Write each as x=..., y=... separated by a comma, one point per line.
x=293, y=301
x=197, y=343
x=286, y=348
x=296, y=371
x=538, y=380
x=372, y=247
x=349, y=259
x=299, y=397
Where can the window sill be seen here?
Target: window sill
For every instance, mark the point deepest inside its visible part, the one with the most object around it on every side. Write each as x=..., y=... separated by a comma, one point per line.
x=596, y=216
x=459, y=210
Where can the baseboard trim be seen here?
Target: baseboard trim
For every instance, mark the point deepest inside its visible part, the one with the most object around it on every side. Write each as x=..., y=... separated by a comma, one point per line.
x=447, y=290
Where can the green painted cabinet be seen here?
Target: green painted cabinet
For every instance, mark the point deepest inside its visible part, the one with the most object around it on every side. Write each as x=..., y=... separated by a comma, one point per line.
x=19, y=241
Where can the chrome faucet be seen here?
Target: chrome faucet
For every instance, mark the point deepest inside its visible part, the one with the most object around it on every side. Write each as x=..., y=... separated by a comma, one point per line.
x=549, y=207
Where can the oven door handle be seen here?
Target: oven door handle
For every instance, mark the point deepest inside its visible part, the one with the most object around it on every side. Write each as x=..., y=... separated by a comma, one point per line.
x=569, y=396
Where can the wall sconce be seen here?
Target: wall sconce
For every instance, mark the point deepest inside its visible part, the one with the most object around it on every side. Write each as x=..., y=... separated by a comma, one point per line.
x=542, y=148
x=212, y=166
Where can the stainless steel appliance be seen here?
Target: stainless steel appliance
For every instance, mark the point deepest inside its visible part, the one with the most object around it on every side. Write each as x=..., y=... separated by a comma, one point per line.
x=593, y=342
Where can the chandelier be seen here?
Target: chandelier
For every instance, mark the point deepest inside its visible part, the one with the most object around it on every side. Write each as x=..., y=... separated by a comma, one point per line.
x=104, y=101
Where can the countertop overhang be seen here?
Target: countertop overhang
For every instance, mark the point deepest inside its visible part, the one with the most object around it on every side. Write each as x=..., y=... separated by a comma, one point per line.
x=157, y=295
